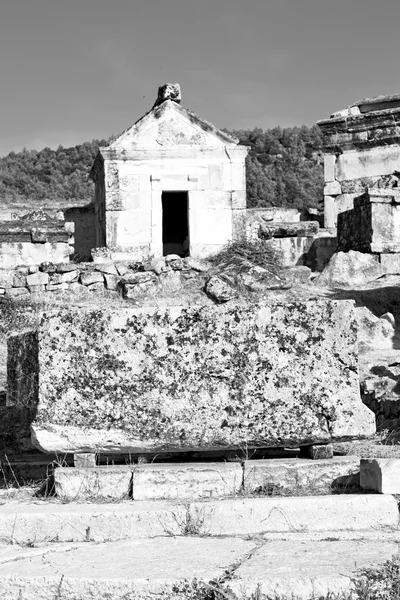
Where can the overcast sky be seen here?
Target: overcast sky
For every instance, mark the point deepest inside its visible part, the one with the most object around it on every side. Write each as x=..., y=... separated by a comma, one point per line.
x=74, y=70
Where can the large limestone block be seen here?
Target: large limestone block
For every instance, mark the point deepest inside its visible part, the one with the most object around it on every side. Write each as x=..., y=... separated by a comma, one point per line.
x=346, y=269
x=381, y=475
x=200, y=377
x=107, y=483
x=186, y=481
x=373, y=162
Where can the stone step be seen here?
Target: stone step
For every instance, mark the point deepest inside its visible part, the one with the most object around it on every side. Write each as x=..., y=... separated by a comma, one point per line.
x=191, y=481
x=41, y=521
x=179, y=568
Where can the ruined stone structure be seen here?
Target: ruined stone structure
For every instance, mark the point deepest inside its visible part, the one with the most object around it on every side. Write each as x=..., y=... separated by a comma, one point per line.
x=171, y=183
x=35, y=238
x=362, y=150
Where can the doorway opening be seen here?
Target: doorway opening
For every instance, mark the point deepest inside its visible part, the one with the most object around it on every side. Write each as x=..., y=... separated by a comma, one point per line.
x=175, y=223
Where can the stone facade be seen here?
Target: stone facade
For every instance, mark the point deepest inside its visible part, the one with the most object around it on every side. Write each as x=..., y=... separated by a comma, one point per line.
x=171, y=183
x=187, y=378
x=362, y=150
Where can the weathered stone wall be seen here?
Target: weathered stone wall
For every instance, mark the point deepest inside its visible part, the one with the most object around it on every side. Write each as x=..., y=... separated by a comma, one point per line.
x=130, y=280
x=196, y=378
x=30, y=242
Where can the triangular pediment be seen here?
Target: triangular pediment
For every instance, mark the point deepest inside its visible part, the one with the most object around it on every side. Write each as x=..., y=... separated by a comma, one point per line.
x=170, y=125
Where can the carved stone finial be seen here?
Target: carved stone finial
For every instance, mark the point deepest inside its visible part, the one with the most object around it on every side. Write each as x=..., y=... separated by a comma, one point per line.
x=169, y=91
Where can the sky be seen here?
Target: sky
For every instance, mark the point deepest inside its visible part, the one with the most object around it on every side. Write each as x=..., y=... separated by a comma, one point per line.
x=75, y=70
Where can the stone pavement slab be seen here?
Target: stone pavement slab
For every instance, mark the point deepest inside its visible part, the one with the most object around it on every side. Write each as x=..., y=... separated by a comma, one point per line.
x=75, y=522
x=168, y=568
x=307, y=569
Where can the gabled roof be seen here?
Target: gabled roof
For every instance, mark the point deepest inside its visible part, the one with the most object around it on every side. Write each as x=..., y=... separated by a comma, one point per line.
x=170, y=124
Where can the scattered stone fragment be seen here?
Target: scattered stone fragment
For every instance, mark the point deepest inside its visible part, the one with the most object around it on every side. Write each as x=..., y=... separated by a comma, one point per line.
x=69, y=276
x=299, y=274
x=256, y=279
x=90, y=277
x=55, y=278
x=171, y=280
x=157, y=265
x=347, y=269
x=101, y=255
x=196, y=264
x=33, y=269
x=374, y=331
x=17, y=292
x=111, y=281
x=122, y=269
x=174, y=261
x=57, y=287
x=19, y=279
x=7, y=279
x=107, y=268
x=47, y=267
x=37, y=289
x=219, y=289
x=137, y=289
x=136, y=278
x=39, y=278
x=95, y=286
x=66, y=267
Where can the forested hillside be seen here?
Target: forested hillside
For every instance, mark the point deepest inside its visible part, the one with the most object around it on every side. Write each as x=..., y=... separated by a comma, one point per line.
x=284, y=168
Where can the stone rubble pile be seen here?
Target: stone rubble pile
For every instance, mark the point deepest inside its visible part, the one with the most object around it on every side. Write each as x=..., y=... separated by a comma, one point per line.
x=127, y=278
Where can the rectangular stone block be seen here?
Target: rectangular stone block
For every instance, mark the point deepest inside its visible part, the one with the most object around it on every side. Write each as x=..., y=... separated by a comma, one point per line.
x=187, y=378
x=391, y=263
x=108, y=483
x=301, y=476
x=329, y=167
x=284, y=230
x=383, y=160
x=381, y=475
x=186, y=481
x=373, y=225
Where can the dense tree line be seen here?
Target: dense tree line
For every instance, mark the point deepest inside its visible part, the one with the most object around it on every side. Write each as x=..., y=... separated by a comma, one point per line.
x=284, y=168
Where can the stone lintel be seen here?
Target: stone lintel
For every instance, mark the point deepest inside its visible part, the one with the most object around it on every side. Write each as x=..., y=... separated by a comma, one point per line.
x=283, y=230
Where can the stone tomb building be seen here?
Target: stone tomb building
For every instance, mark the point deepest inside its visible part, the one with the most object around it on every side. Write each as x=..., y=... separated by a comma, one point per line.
x=171, y=183
x=362, y=152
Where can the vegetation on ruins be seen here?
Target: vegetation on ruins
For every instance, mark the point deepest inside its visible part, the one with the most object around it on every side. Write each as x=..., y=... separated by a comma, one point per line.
x=284, y=168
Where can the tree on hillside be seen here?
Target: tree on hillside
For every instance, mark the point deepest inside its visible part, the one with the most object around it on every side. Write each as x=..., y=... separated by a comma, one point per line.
x=284, y=168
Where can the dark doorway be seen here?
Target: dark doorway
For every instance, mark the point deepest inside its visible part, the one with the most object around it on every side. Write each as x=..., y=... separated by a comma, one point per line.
x=175, y=223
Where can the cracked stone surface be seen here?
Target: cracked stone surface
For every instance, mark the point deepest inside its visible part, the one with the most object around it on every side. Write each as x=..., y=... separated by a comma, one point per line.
x=172, y=567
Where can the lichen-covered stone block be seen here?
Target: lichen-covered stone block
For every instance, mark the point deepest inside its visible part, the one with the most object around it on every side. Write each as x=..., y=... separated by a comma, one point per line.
x=201, y=377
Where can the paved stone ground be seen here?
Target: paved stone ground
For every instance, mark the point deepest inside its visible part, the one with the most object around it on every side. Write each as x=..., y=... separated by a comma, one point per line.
x=168, y=567
x=294, y=547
